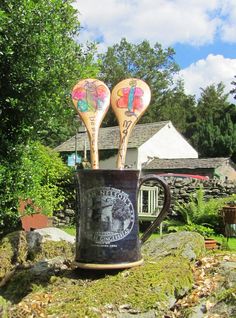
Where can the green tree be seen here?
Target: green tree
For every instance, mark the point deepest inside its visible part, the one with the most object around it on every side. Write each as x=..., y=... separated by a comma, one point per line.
x=213, y=132
x=178, y=107
x=40, y=61
x=154, y=65
x=233, y=90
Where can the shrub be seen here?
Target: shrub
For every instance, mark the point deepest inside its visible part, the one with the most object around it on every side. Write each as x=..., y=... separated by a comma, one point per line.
x=201, y=229
x=39, y=174
x=199, y=211
x=42, y=175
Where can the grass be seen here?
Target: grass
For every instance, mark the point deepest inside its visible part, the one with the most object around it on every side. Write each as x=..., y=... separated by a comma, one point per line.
x=69, y=230
x=229, y=244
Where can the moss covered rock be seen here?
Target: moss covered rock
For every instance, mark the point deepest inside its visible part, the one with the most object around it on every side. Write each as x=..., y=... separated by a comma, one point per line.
x=51, y=249
x=189, y=245
x=4, y=308
x=48, y=243
x=154, y=286
x=13, y=250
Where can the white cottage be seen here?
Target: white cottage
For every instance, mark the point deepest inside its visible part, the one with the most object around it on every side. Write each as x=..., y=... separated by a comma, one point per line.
x=147, y=141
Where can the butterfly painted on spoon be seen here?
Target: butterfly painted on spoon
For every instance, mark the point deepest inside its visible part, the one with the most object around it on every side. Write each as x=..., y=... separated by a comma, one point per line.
x=91, y=99
x=129, y=100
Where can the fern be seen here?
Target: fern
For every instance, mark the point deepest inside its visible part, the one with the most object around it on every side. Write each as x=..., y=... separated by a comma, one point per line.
x=183, y=210
x=202, y=212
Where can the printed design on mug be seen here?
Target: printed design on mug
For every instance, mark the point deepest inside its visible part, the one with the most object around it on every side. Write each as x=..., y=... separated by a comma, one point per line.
x=110, y=215
x=130, y=98
x=91, y=96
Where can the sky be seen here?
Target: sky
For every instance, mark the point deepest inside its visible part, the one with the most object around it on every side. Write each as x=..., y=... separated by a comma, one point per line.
x=202, y=32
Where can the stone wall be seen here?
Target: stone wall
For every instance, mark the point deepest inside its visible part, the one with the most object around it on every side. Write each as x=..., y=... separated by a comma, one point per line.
x=180, y=190
x=214, y=188
x=64, y=217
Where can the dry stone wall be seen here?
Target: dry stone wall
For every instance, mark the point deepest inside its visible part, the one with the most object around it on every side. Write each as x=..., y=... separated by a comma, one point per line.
x=64, y=217
x=181, y=190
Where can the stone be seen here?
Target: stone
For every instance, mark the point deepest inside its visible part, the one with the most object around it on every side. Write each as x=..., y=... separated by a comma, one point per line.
x=4, y=307
x=70, y=212
x=17, y=248
x=190, y=245
x=13, y=251
x=221, y=302
x=147, y=291
x=149, y=314
x=49, y=234
x=67, y=220
x=48, y=243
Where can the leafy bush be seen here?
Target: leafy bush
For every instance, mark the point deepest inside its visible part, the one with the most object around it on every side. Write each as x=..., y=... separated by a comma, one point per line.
x=42, y=174
x=201, y=229
x=37, y=173
x=8, y=197
x=200, y=212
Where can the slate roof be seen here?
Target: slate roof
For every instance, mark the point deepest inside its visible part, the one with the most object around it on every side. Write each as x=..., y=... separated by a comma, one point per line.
x=109, y=137
x=187, y=163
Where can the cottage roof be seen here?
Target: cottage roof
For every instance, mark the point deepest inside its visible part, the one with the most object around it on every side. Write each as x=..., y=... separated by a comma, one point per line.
x=188, y=163
x=109, y=137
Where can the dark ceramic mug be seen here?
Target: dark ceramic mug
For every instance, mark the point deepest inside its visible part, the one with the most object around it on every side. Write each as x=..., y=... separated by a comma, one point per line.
x=108, y=228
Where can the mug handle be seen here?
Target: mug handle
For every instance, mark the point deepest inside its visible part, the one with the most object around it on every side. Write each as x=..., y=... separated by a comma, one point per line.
x=165, y=208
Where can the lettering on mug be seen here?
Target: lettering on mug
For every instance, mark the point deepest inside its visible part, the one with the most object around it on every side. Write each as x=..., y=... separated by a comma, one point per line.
x=109, y=215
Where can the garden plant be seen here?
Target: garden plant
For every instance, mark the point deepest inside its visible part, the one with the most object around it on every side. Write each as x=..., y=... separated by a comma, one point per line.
x=200, y=215
x=40, y=176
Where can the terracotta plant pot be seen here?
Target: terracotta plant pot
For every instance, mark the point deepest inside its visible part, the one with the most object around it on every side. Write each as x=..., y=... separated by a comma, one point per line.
x=211, y=244
x=33, y=221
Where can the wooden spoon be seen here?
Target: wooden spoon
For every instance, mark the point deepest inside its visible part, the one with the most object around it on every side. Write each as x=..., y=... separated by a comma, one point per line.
x=91, y=99
x=129, y=100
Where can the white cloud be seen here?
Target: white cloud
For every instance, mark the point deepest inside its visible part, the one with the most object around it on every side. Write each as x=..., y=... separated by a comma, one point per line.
x=213, y=70
x=228, y=29
x=194, y=22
